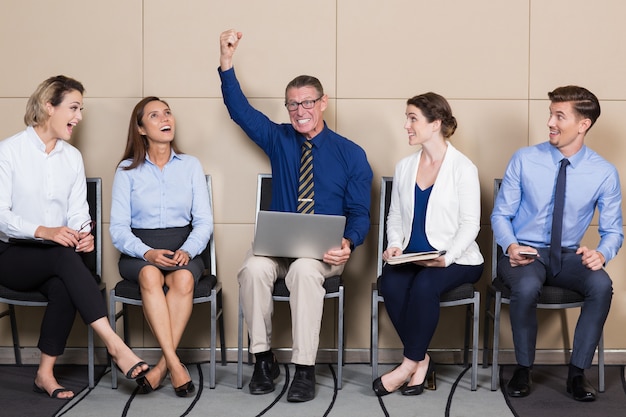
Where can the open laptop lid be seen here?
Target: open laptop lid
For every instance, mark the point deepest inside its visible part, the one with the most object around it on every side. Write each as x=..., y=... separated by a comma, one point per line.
x=297, y=235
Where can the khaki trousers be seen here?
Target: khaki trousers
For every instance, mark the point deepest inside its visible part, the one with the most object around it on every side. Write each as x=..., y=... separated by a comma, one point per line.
x=304, y=278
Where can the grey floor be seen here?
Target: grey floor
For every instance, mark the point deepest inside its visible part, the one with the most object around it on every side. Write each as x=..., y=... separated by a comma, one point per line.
x=452, y=397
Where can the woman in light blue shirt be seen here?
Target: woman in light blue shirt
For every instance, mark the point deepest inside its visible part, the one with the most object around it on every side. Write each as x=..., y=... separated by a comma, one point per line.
x=161, y=220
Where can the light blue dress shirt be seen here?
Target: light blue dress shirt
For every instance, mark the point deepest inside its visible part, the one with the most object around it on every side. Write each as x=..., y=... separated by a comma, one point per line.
x=149, y=198
x=523, y=209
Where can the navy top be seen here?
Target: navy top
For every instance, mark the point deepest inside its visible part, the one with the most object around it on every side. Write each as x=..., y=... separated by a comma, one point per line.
x=342, y=174
x=418, y=242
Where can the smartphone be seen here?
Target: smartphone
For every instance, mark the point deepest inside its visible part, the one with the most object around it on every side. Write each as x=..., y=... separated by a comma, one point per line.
x=528, y=254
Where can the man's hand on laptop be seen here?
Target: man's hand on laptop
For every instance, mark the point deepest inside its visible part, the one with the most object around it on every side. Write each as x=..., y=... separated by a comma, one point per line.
x=338, y=256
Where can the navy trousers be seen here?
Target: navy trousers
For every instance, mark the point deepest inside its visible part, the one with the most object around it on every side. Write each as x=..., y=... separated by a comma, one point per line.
x=412, y=295
x=526, y=283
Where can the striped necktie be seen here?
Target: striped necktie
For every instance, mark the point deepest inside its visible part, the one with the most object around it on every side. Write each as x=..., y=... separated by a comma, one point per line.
x=557, y=220
x=306, y=200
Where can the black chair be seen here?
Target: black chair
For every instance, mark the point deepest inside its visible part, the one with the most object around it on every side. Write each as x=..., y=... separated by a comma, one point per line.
x=208, y=290
x=464, y=294
x=333, y=286
x=35, y=298
x=553, y=298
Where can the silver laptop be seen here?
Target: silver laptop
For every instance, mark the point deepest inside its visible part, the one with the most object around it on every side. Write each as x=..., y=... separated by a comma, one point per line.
x=297, y=235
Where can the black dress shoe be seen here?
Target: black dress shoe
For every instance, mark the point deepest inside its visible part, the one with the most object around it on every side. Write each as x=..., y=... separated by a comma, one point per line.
x=519, y=385
x=581, y=389
x=303, y=386
x=265, y=372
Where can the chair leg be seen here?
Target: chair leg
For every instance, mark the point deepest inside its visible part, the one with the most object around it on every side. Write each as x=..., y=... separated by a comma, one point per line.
x=374, y=343
x=16, y=339
x=221, y=328
x=496, y=340
x=240, y=347
x=113, y=323
x=213, y=339
x=468, y=326
x=340, y=339
x=486, y=328
x=90, y=358
x=601, y=363
x=475, y=336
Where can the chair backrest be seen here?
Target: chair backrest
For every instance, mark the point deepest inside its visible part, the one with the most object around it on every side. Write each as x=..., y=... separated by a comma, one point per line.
x=496, y=251
x=208, y=255
x=264, y=192
x=93, y=260
x=386, y=186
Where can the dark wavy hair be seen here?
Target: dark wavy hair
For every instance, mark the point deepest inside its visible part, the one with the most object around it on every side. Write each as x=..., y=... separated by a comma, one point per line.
x=584, y=102
x=435, y=107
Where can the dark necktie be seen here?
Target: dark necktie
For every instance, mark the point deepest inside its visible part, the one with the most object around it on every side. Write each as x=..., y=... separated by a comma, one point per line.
x=557, y=220
x=305, y=188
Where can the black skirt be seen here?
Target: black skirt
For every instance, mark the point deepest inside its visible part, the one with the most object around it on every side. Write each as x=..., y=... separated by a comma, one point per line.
x=172, y=239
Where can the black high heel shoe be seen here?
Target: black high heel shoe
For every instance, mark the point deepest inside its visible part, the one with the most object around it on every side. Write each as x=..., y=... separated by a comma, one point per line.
x=187, y=388
x=429, y=382
x=379, y=388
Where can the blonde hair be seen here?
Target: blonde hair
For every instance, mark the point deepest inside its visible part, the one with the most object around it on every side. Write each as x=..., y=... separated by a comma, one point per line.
x=53, y=91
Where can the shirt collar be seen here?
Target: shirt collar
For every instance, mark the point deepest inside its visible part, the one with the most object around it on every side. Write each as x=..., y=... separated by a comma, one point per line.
x=319, y=139
x=172, y=156
x=36, y=141
x=557, y=156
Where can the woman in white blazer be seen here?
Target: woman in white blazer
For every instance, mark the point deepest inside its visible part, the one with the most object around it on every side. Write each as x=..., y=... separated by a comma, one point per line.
x=435, y=206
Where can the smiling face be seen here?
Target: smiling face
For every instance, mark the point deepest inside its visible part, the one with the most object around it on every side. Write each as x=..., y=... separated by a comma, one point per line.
x=567, y=128
x=158, y=124
x=64, y=116
x=308, y=122
x=419, y=129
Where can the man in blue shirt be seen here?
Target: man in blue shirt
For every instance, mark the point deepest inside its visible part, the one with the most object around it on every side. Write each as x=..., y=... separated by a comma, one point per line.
x=342, y=186
x=522, y=223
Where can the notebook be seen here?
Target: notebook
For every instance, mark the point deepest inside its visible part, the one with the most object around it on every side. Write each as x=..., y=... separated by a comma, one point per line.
x=297, y=235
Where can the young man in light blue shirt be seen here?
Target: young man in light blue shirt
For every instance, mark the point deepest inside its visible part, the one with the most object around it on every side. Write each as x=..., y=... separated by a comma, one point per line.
x=522, y=222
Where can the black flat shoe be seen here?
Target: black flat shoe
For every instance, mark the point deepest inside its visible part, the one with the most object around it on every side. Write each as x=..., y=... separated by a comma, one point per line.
x=429, y=382
x=187, y=388
x=379, y=388
x=55, y=393
x=520, y=383
x=581, y=389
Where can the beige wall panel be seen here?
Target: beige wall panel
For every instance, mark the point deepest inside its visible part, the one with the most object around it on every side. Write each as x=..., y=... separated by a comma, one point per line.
x=12, y=116
x=432, y=46
x=98, y=43
x=594, y=57
x=182, y=45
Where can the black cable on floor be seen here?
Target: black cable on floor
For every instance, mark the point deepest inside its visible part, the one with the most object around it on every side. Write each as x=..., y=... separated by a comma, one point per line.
x=456, y=383
x=332, y=402
x=198, y=392
x=284, y=390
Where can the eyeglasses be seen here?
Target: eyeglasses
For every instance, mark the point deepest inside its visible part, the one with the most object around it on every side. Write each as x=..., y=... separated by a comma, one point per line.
x=306, y=104
x=91, y=224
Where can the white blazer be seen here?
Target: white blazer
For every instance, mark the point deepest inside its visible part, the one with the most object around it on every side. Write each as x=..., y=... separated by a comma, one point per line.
x=453, y=211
